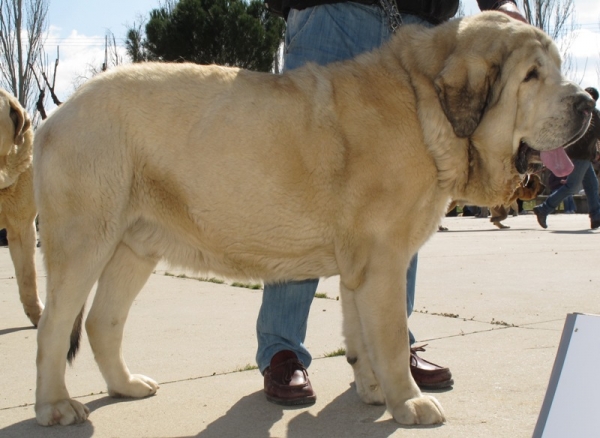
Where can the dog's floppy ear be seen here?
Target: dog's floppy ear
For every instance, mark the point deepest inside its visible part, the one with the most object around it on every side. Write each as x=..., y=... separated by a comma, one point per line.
x=463, y=87
x=20, y=120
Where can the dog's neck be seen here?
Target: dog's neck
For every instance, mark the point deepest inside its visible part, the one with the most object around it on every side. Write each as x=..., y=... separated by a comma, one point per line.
x=450, y=153
x=464, y=171
x=478, y=189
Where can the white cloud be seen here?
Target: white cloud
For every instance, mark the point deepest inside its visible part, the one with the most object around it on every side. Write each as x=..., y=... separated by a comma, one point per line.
x=584, y=49
x=587, y=10
x=585, y=43
x=77, y=53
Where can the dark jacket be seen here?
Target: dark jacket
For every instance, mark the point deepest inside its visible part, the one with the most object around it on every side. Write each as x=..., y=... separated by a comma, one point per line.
x=585, y=147
x=434, y=11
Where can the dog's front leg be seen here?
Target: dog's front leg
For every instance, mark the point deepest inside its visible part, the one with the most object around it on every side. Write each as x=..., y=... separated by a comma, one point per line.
x=367, y=386
x=22, y=241
x=376, y=330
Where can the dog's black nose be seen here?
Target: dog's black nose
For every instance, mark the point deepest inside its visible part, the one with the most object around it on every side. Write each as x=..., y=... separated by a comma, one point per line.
x=584, y=103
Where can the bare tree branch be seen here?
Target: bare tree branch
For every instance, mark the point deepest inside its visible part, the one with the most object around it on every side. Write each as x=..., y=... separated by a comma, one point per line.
x=112, y=58
x=22, y=33
x=39, y=104
x=557, y=19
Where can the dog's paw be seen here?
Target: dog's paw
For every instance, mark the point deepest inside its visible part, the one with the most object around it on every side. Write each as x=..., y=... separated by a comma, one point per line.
x=371, y=394
x=138, y=386
x=368, y=389
x=420, y=410
x=63, y=412
x=34, y=313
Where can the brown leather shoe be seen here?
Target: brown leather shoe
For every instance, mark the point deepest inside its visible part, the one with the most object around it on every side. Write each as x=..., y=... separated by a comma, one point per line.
x=286, y=381
x=428, y=375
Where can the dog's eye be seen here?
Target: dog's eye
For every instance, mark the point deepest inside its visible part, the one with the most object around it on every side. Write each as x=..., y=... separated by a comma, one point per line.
x=532, y=74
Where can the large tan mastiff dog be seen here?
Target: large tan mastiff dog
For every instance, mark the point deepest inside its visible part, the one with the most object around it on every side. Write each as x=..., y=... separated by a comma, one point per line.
x=17, y=208
x=345, y=169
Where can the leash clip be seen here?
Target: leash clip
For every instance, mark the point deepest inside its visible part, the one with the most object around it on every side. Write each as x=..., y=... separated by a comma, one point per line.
x=391, y=11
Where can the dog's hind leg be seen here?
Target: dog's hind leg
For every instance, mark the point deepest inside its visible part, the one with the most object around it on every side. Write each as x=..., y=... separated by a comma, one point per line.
x=499, y=213
x=72, y=271
x=515, y=208
x=120, y=282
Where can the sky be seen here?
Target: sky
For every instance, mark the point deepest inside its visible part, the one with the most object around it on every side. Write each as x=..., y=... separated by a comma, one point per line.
x=79, y=27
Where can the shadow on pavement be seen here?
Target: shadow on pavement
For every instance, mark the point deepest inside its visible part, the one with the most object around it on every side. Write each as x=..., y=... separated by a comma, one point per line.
x=15, y=329
x=346, y=415
x=30, y=429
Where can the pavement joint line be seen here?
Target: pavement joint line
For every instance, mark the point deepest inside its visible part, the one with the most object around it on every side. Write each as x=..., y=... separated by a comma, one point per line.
x=510, y=251
x=525, y=325
x=498, y=327
x=168, y=382
x=439, y=338
x=464, y=319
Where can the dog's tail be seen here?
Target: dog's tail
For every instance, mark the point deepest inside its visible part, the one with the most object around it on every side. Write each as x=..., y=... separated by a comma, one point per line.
x=75, y=337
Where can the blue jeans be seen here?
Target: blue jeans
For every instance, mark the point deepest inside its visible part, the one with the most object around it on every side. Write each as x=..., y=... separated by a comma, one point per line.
x=569, y=204
x=583, y=173
x=321, y=34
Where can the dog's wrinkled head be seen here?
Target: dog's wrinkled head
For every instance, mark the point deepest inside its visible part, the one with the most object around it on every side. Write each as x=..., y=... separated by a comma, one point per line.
x=14, y=122
x=506, y=81
x=16, y=139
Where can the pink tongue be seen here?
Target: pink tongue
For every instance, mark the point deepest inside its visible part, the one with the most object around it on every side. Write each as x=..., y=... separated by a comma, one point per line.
x=557, y=161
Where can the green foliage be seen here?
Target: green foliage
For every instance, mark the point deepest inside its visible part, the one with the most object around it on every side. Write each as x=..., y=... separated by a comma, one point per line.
x=339, y=352
x=224, y=32
x=247, y=367
x=254, y=286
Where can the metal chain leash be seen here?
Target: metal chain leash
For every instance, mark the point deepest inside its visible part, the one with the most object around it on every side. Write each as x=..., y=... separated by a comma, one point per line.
x=391, y=11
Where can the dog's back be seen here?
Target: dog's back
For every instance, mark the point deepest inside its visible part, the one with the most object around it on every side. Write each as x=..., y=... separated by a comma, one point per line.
x=149, y=153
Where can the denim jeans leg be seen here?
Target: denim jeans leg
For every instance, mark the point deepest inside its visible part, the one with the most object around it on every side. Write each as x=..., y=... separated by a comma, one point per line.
x=590, y=187
x=321, y=34
x=336, y=32
x=282, y=320
x=411, y=284
x=569, y=188
x=569, y=204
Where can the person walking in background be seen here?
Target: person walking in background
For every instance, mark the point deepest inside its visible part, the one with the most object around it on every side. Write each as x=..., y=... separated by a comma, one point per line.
x=555, y=183
x=582, y=153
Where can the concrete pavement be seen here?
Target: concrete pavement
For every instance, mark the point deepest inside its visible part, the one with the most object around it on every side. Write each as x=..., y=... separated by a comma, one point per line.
x=491, y=305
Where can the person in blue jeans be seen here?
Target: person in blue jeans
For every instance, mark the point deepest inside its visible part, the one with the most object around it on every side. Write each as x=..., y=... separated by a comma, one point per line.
x=325, y=31
x=581, y=153
x=555, y=183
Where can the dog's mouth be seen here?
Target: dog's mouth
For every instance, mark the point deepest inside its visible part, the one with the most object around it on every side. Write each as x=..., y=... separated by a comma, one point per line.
x=556, y=160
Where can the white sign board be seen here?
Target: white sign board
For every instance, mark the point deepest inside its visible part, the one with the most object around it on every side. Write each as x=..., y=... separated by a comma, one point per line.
x=571, y=407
